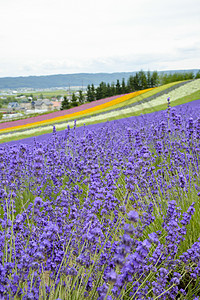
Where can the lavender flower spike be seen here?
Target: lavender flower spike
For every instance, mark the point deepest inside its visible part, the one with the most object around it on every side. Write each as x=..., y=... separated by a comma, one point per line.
x=133, y=216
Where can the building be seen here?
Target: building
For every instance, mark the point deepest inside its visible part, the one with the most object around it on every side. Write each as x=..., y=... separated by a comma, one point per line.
x=26, y=105
x=13, y=106
x=43, y=104
x=56, y=105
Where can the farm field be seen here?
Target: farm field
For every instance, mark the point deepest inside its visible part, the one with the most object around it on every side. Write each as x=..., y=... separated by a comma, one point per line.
x=61, y=116
x=154, y=93
x=104, y=211
x=34, y=124
x=116, y=107
x=48, y=93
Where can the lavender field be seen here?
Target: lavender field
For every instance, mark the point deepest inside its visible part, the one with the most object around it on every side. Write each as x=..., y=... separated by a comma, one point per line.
x=107, y=211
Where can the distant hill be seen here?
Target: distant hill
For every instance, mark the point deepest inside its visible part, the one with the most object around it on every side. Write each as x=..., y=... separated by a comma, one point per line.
x=65, y=80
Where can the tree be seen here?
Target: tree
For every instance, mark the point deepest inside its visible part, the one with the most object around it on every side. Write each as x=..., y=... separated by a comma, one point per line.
x=130, y=84
x=109, y=91
x=93, y=93
x=65, y=104
x=142, y=80
x=197, y=75
x=104, y=89
x=154, y=79
x=89, y=94
x=123, y=89
x=80, y=97
x=98, y=92
x=101, y=91
x=163, y=79
x=118, y=88
x=148, y=79
x=189, y=75
x=74, y=100
x=136, y=82
x=112, y=89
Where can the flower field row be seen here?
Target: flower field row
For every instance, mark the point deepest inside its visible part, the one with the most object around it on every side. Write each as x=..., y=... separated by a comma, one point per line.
x=152, y=94
x=53, y=115
x=72, y=115
x=184, y=90
x=107, y=211
x=119, y=108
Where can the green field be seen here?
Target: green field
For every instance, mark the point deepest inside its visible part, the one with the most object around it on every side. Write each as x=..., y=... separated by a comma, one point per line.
x=47, y=94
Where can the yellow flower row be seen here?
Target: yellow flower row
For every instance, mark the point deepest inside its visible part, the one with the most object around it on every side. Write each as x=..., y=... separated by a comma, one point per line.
x=77, y=114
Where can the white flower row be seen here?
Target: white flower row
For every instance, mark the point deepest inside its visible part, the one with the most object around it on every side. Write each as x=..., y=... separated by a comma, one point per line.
x=180, y=92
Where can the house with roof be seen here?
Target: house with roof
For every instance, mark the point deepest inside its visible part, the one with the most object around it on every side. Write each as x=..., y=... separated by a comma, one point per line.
x=43, y=104
x=56, y=105
x=13, y=106
x=25, y=104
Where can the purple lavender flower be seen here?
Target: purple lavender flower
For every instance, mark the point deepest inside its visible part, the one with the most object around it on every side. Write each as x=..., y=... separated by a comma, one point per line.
x=133, y=216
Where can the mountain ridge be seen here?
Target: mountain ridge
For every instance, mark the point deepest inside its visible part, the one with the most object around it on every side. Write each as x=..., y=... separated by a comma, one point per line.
x=75, y=79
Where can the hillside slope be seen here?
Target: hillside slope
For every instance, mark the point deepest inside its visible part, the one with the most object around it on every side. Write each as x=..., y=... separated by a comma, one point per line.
x=120, y=107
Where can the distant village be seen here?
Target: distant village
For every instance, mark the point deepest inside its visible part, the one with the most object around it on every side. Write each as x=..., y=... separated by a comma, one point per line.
x=29, y=104
x=26, y=105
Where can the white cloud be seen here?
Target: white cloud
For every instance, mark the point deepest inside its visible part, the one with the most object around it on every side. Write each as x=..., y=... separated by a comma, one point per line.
x=62, y=36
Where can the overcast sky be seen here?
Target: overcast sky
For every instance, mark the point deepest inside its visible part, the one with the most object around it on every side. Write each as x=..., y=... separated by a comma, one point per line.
x=43, y=37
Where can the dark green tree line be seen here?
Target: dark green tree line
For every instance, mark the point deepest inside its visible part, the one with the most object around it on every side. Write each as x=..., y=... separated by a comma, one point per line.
x=168, y=78
x=140, y=81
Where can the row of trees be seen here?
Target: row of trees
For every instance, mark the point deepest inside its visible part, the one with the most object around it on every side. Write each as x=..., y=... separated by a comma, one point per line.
x=165, y=78
x=75, y=101
x=140, y=81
